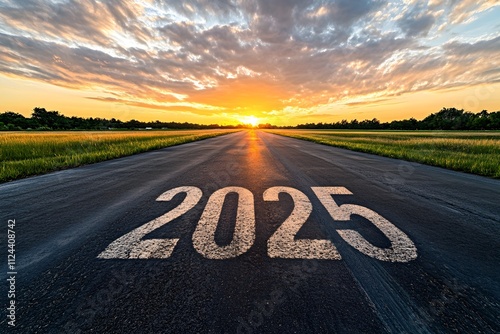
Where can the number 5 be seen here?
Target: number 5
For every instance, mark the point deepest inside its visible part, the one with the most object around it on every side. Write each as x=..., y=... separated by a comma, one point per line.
x=402, y=248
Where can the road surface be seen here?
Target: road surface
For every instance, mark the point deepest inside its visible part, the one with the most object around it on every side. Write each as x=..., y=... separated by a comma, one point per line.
x=251, y=233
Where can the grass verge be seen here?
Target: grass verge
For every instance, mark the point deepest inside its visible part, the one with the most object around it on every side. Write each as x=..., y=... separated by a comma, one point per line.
x=476, y=152
x=25, y=154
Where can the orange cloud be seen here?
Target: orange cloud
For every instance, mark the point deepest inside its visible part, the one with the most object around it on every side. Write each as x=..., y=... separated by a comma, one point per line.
x=248, y=95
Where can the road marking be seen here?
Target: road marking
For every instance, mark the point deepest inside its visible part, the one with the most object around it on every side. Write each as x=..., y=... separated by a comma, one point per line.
x=282, y=243
x=130, y=246
x=244, y=231
x=402, y=248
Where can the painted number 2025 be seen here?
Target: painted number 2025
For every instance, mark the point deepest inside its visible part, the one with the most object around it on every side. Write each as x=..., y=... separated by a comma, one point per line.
x=282, y=244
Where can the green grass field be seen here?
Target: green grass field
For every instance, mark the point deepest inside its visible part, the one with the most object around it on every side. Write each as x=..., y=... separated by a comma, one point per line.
x=24, y=154
x=476, y=152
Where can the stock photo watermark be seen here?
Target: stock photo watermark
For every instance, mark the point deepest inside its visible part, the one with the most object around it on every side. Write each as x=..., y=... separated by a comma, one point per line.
x=100, y=302
x=264, y=309
x=11, y=273
x=481, y=93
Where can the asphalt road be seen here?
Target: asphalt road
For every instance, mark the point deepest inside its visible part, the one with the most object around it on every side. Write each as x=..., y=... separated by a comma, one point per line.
x=97, y=252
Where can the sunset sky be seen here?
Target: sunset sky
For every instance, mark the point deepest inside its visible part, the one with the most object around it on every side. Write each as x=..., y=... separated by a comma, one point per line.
x=281, y=61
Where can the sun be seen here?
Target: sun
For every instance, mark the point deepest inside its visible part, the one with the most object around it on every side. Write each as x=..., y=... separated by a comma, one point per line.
x=251, y=120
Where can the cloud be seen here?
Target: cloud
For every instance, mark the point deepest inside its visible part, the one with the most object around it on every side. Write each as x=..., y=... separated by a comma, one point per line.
x=195, y=108
x=74, y=22
x=465, y=10
x=416, y=22
x=481, y=48
x=360, y=103
x=255, y=56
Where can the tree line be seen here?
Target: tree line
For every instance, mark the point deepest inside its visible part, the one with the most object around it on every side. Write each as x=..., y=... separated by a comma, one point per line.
x=445, y=119
x=41, y=119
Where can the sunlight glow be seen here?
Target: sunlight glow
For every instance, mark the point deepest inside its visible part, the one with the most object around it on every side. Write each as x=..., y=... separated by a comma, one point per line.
x=200, y=62
x=250, y=120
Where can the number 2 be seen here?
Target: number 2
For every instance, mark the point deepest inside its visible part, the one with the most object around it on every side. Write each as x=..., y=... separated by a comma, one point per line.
x=282, y=243
x=130, y=246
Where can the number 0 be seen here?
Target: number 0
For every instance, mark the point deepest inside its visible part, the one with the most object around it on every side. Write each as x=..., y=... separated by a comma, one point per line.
x=244, y=231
